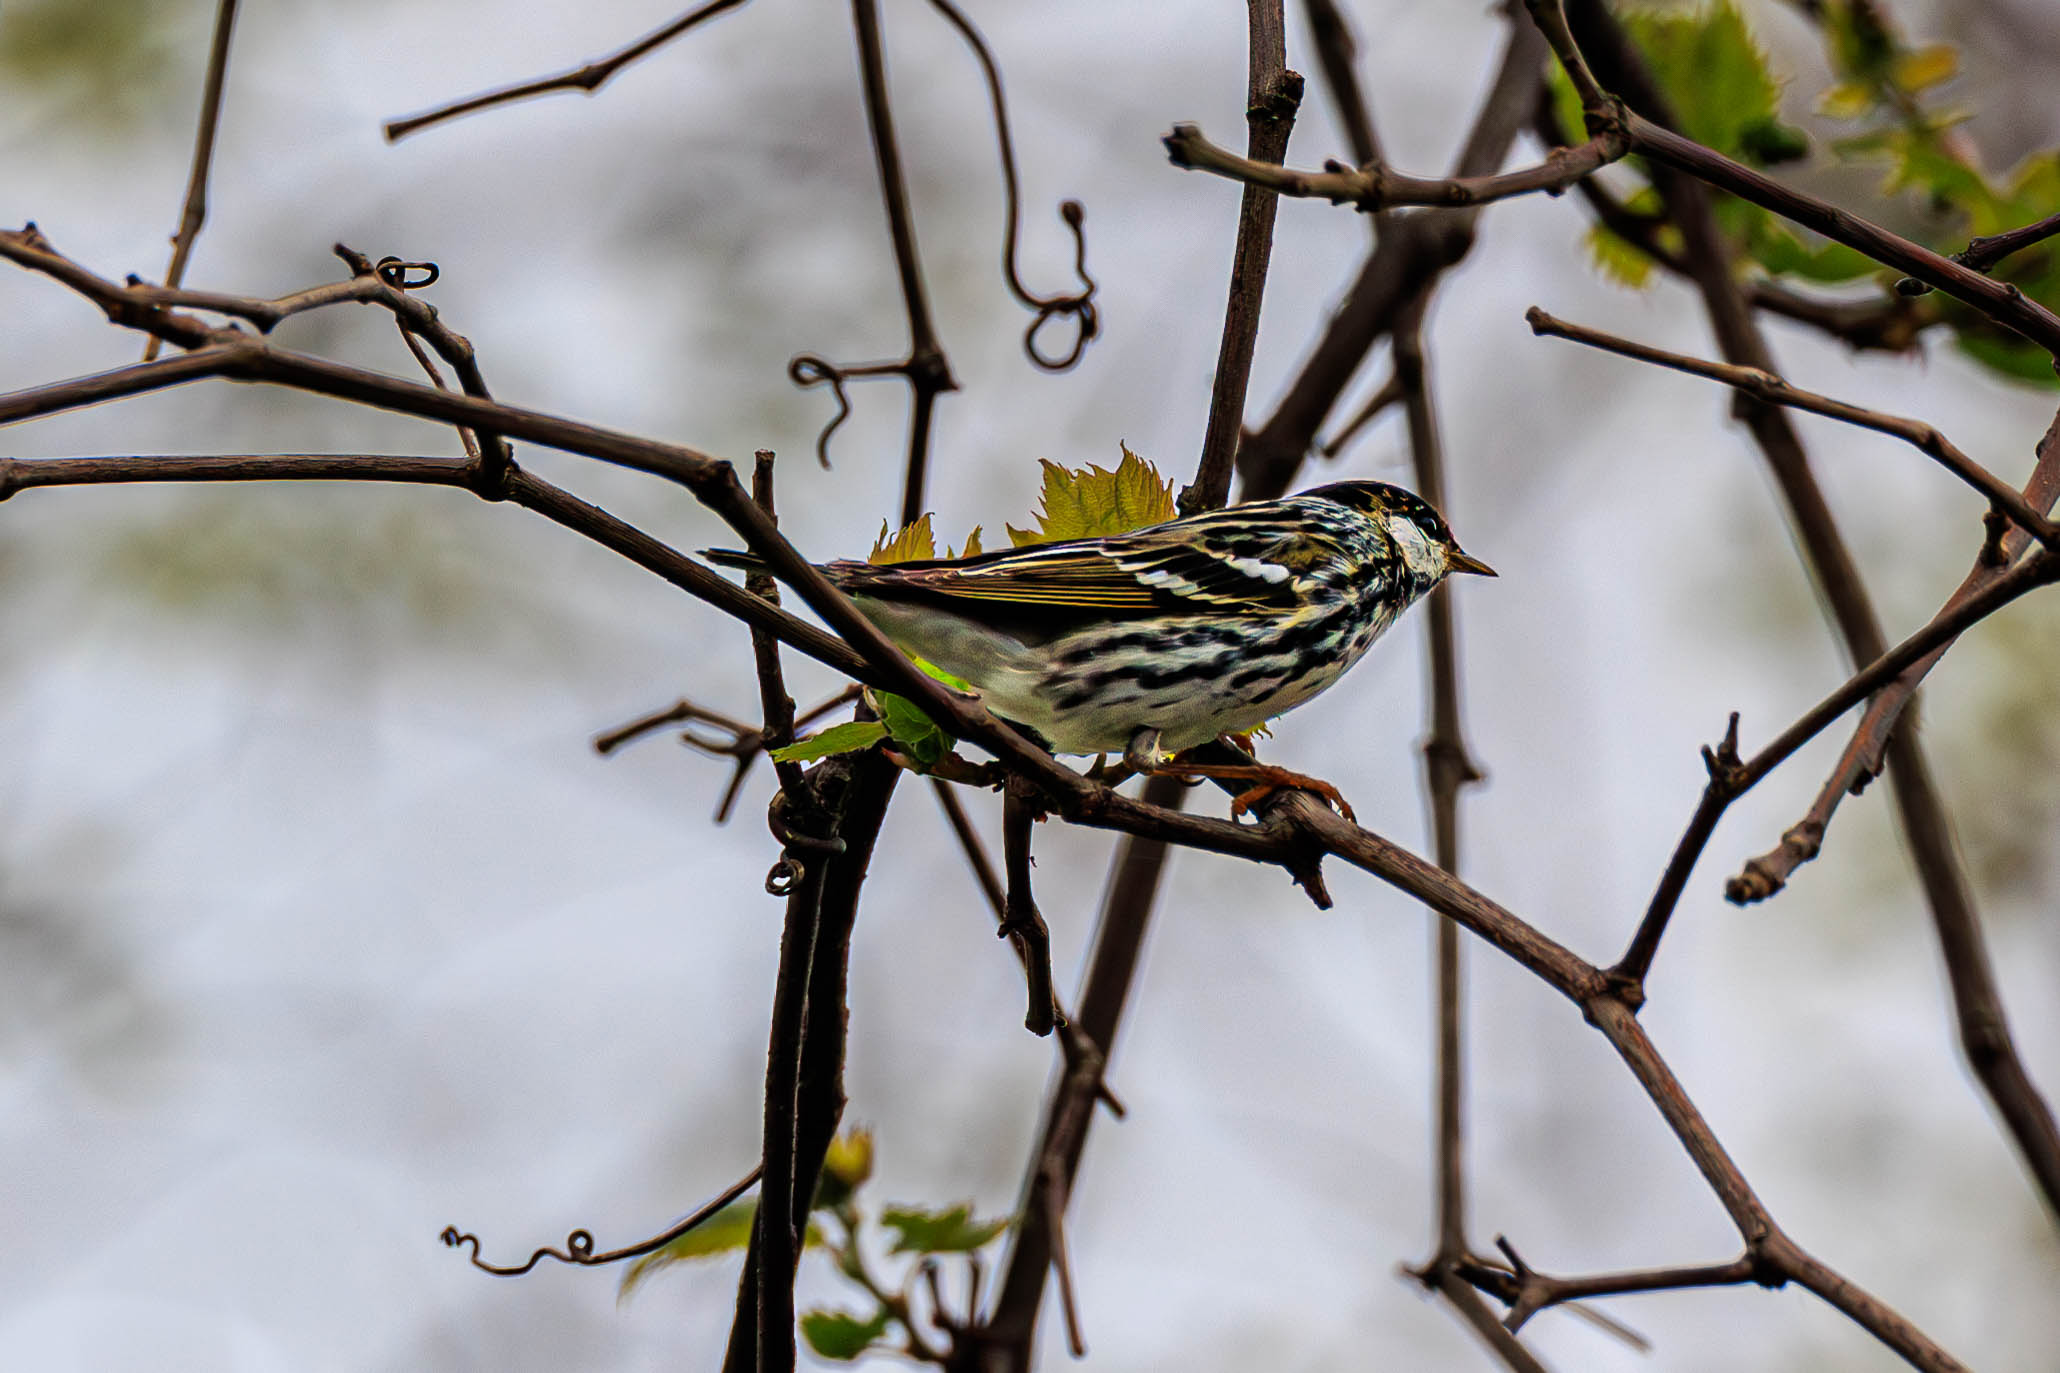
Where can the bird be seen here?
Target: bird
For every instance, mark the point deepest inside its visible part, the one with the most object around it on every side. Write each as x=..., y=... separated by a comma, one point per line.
x=1155, y=641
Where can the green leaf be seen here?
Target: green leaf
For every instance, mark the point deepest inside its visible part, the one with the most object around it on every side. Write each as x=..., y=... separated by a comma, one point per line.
x=913, y=543
x=972, y=545
x=921, y=1231
x=1711, y=69
x=2011, y=357
x=849, y=737
x=1619, y=259
x=840, y=1335
x=727, y=1230
x=955, y=683
x=1781, y=251
x=1092, y=501
x=1769, y=142
x=914, y=733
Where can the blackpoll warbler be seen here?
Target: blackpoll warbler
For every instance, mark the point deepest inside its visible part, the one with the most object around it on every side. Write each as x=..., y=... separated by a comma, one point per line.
x=1166, y=637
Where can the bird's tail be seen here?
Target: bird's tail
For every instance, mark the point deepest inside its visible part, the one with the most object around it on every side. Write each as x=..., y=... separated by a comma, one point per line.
x=737, y=558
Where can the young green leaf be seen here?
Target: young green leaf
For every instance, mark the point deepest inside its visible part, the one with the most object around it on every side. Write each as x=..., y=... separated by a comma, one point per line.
x=1092, y=501
x=1712, y=70
x=849, y=737
x=1619, y=259
x=727, y=1230
x=913, y=732
x=841, y=1336
x=921, y=1231
x=912, y=543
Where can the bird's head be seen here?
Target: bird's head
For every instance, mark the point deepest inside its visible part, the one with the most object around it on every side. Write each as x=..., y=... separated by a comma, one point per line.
x=1419, y=533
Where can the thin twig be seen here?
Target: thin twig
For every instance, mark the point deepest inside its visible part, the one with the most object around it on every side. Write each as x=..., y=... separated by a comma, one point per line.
x=1390, y=392
x=1526, y=1291
x=1337, y=53
x=1021, y=925
x=194, y=213
x=1448, y=767
x=1377, y=187
x=1764, y=385
x=579, y=1245
x=927, y=370
x=1977, y=1005
x=975, y=852
x=1272, y=95
x=1982, y=254
x=1413, y=253
x=588, y=78
x=776, y=707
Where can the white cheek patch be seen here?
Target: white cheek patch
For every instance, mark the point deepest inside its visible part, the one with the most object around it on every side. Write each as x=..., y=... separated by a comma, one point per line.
x=1419, y=555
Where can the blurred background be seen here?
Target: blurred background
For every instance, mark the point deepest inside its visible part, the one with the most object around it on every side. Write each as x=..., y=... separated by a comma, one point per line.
x=322, y=926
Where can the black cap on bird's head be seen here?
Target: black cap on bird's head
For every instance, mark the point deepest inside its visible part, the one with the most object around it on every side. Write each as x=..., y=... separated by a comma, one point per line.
x=1386, y=500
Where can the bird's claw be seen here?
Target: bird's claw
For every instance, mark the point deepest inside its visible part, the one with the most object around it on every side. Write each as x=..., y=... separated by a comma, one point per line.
x=1267, y=780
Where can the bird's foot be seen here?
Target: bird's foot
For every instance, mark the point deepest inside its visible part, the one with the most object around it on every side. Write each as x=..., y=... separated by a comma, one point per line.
x=1267, y=779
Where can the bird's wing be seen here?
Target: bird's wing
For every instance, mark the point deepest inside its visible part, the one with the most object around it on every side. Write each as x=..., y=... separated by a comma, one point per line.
x=1120, y=577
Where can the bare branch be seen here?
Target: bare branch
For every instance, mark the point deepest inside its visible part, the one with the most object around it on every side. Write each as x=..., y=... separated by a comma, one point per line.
x=1021, y=925
x=194, y=213
x=588, y=78
x=1982, y=254
x=1377, y=187
x=1272, y=95
x=1865, y=755
x=1413, y=253
x=1338, y=54
x=1765, y=386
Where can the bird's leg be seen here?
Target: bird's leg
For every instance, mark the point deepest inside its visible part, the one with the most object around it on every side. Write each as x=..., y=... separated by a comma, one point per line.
x=1267, y=779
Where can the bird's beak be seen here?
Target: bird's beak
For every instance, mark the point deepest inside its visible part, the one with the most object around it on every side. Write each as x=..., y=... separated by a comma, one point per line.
x=1466, y=562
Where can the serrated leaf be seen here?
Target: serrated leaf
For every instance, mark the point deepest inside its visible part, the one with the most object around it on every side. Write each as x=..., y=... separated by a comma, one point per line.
x=914, y=733
x=922, y=1231
x=724, y=1232
x=840, y=1335
x=912, y=543
x=1924, y=68
x=849, y=737
x=1619, y=259
x=1092, y=501
x=972, y=545
x=1711, y=69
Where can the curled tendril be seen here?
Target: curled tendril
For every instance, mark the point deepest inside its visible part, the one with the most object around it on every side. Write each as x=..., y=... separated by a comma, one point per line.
x=579, y=1249
x=579, y=1245
x=793, y=839
x=1080, y=305
x=784, y=876
x=808, y=370
x=395, y=273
